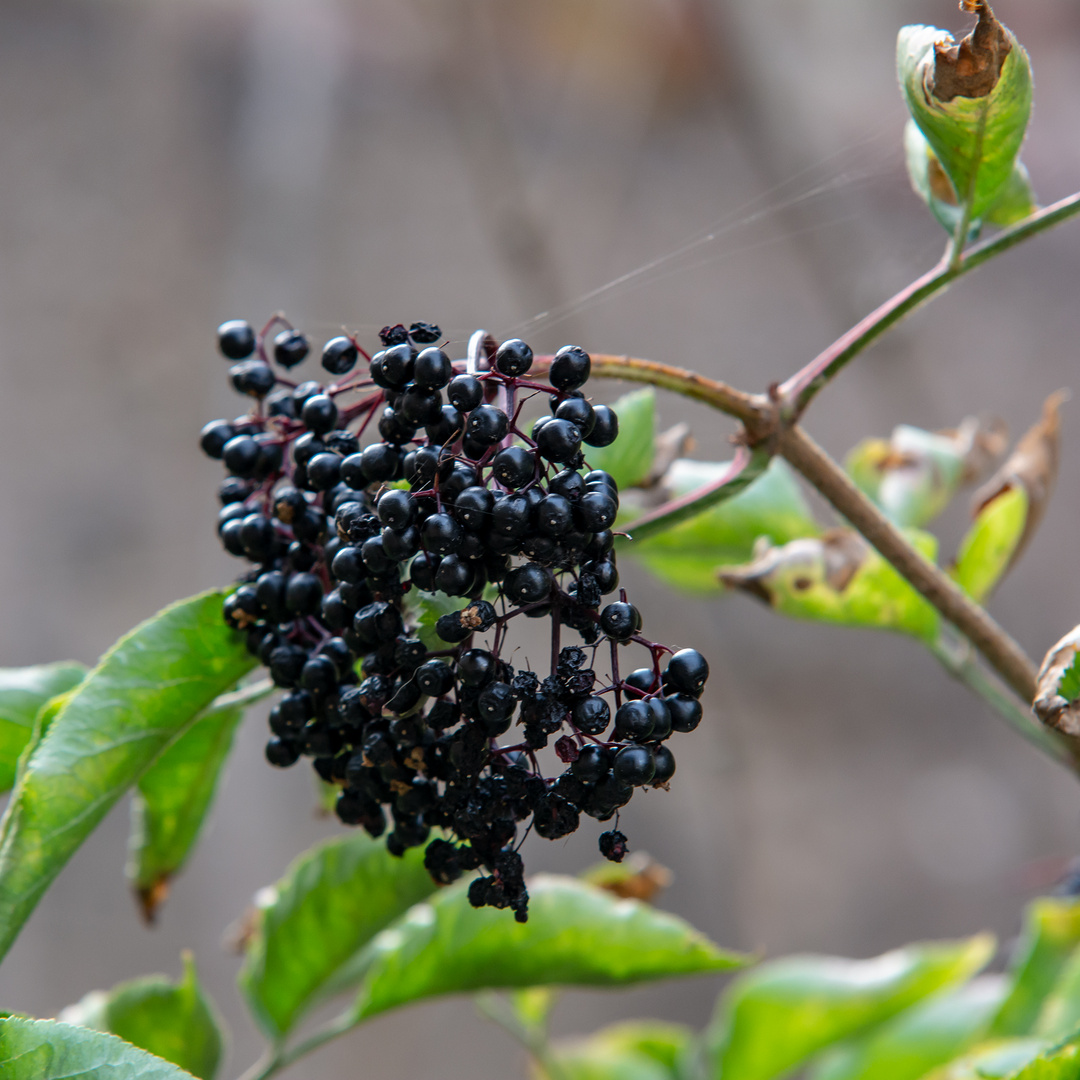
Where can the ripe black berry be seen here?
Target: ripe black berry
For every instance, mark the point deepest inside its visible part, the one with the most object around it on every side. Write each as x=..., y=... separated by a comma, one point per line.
x=595, y=511
x=432, y=369
x=685, y=712
x=465, y=393
x=236, y=339
x=339, y=356
x=605, y=429
x=282, y=753
x=634, y=765
x=527, y=584
x=634, y=721
x=513, y=357
x=686, y=673
x=290, y=348
x=252, y=377
x=592, y=715
x=558, y=440
x=620, y=621
x=514, y=466
x=570, y=368
x=487, y=424
x=665, y=765
x=319, y=413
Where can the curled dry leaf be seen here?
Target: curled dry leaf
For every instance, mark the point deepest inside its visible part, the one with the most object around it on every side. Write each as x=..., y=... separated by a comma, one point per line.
x=641, y=877
x=971, y=67
x=1032, y=466
x=1057, y=695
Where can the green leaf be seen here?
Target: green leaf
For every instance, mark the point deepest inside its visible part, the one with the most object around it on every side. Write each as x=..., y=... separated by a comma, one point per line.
x=669, y=1045
x=576, y=935
x=1055, y=1064
x=331, y=901
x=993, y=1060
x=1059, y=1016
x=991, y=543
x=782, y=1013
x=145, y=692
x=974, y=126
x=1051, y=933
x=928, y=1034
x=589, y=1060
x=914, y=474
x=687, y=555
x=629, y=458
x=23, y=692
x=174, y=796
x=1016, y=201
x=1069, y=684
x=50, y=1050
x=838, y=578
x=175, y=1021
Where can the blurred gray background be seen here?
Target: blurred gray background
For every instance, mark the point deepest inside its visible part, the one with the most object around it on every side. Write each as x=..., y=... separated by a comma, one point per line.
x=164, y=166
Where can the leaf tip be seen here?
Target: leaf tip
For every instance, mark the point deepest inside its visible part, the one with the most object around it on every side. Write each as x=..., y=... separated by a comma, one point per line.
x=151, y=897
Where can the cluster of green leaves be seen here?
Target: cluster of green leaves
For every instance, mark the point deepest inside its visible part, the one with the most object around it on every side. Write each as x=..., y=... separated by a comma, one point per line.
x=919, y=1012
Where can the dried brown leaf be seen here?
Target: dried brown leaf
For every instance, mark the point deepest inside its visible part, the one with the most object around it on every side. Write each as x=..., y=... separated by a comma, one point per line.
x=1050, y=707
x=1033, y=465
x=971, y=68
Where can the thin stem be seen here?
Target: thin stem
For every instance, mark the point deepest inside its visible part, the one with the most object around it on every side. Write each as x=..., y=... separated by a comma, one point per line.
x=532, y=1038
x=743, y=470
x=750, y=408
x=960, y=235
x=1000, y=651
x=962, y=665
x=278, y=1058
x=798, y=391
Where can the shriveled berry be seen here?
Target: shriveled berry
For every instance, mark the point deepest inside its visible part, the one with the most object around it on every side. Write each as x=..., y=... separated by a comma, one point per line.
x=554, y=817
x=592, y=715
x=613, y=845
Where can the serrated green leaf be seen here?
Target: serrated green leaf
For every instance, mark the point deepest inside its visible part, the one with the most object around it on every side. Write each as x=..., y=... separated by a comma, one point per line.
x=928, y=1034
x=976, y=139
x=687, y=555
x=576, y=935
x=1051, y=933
x=838, y=578
x=174, y=1021
x=174, y=796
x=50, y=1050
x=783, y=1013
x=991, y=543
x=330, y=903
x=144, y=694
x=629, y=458
x=23, y=692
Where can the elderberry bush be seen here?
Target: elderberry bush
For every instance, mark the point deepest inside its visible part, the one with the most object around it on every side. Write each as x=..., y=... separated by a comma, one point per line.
x=407, y=473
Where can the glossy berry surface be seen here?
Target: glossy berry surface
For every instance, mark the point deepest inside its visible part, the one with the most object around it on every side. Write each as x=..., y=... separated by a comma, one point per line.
x=407, y=481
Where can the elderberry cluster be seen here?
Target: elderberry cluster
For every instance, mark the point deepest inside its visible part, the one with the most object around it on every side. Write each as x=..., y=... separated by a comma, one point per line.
x=451, y=497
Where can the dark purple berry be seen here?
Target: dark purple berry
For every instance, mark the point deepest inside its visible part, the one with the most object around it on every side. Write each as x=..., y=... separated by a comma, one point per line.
x=339, y=356
x=592, y=715
x=633, y=720
x=432, y=369
x=476, y=667
x=527, y=584
x=570, y=368
x=290, y=348
x=236, y=339
x=323, y=471
x=252, y=377
x=595, y=512
x=303, y=594
x=513, y=357
x=665, y=765
x=685, y=712
x=282, y=753
x=465, y=393
x=514, y=467
x=569, y=484
x=605, y=429
x=578, y=411
x=319, y=413
x=635, y=765
x=558, y=440
x=214, y=436
x=686, y=673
